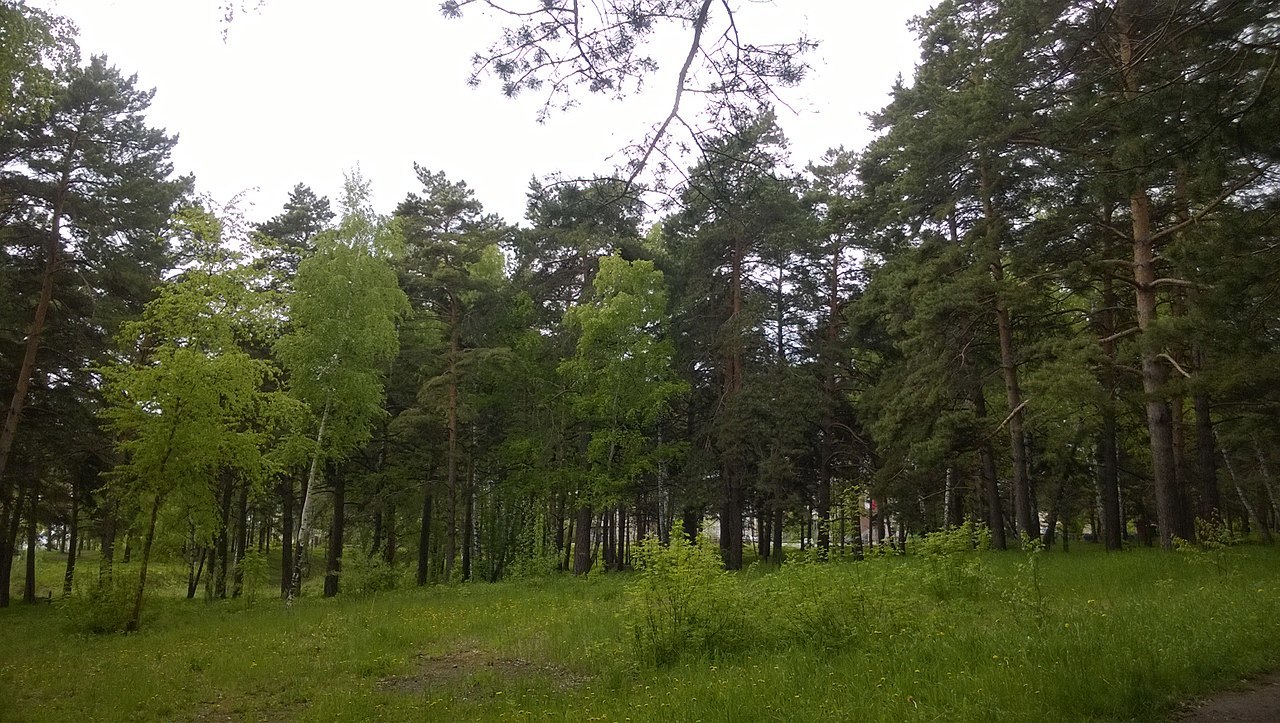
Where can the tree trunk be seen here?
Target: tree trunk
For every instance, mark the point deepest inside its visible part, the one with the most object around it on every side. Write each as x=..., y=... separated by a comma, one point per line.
x=468, y=528
x=1024, y=515
x=829, y=390
x=1186, y=528
x=607, y=533
x=690, y=524
x=68, y=577
x=389, y=553
x=9, y=518
x=29, y=585
x=286, y=537
x=1267, y=483
x=1263, y=527
x=1159, y=416
x=1210, y=499
x=241, y=542
x=582, y=541
x=1108, y=451
x=136, y=616
x=567, y=559
x=53, y=248
x=333, y=569
x=451, y=459
x=223, y=542
x=560, y=539
x=763, y=520
x=779, y=522
x=732, y=465
x=197, y=569
x=424, y=538
x=858, y=548
x=990, y=480
x=308, y=509
x=1159, y=423
x=1109, y=482
x=107, y=560
x=376, y=546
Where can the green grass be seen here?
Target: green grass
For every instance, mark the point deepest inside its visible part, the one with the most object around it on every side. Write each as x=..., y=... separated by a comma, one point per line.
x=1113, y=637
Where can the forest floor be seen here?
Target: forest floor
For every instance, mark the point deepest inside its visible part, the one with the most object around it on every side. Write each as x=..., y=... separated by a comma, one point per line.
x=1081, y=636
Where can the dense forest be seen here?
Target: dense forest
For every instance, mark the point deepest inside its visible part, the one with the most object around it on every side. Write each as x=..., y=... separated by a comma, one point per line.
x=1043, y=299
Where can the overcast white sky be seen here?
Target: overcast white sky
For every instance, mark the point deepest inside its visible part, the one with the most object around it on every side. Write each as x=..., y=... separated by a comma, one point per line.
x=302, y=90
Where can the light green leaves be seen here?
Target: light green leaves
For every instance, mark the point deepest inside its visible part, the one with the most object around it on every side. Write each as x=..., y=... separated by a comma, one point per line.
x=621, y=371
x=187, y=400
x=343, y=312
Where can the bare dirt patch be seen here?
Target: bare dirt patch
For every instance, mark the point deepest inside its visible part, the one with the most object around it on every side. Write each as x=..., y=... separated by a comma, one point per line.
x=469, y=666
x=254, y=708
x=1260, y=703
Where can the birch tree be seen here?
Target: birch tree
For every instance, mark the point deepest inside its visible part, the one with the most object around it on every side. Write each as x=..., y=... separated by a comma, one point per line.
x=343, y=313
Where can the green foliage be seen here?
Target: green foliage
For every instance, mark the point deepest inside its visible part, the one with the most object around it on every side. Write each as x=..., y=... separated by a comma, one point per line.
x=621, y=372
x=530, y=560
x=363, y=574
x=343, y=310
x=818, y=608
x=188, y=401
x=953, y=564
x=253, y=566
x=1027, y=595
x=683, y=604
x=104, y=608
x=553, y=649
x=1213, y=538
x=35, y=46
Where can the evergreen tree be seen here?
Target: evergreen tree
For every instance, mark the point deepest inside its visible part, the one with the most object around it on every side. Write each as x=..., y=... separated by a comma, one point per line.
x=87, y=190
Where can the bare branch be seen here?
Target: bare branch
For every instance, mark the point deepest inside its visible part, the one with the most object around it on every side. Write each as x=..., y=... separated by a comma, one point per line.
x=1011, y=415
x=698, y=25
x=1175, y=364
x=1119, y=335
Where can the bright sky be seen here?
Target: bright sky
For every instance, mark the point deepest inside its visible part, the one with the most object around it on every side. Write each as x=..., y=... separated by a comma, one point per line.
x=302, y=90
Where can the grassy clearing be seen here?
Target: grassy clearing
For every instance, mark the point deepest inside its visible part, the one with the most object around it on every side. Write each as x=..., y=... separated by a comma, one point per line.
x=1105, y=637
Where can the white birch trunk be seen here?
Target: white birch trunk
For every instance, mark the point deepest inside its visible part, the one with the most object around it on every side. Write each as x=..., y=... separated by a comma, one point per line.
x=308, y=509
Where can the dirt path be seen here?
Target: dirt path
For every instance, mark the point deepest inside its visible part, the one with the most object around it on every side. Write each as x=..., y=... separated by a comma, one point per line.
x=1260, y=703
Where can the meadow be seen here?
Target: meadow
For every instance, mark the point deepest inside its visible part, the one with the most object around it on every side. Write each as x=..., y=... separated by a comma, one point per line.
x=936, y=635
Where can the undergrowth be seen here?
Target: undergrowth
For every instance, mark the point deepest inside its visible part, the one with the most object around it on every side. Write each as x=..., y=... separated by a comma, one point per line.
x=1042, y=636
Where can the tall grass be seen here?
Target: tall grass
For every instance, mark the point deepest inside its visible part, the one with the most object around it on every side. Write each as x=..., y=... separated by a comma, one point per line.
x=1106, y=637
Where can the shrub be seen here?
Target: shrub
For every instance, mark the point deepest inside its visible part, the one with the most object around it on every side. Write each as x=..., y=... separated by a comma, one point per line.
x=104, y=608
x=1213, y=537
x=952, y=566
x=1027, y=594
x=253, y=567
x=532, y=565
x=682, y=604
x=815, y=605
x=362, y=574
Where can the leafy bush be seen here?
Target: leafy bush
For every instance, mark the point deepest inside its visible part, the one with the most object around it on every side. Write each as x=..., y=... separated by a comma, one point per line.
x=1213, y=537
x=820, y=605
x=104, y=608
x=362, y=575
x=253, y=566
x=683, y=604
x=1027, y=594
x=532, y=565
x=952, y=566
